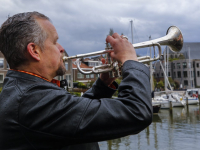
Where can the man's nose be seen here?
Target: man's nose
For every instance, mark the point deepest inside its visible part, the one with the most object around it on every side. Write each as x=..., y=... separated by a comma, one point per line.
x=60, y=48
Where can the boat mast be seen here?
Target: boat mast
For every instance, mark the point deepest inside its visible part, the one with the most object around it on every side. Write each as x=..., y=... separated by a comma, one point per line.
x=151, y=71
x=132, y=30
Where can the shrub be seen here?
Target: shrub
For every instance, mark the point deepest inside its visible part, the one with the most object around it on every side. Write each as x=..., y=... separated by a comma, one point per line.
x=81, y=85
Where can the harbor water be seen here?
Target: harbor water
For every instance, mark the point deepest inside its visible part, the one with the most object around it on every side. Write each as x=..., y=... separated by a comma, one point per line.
x=178, y=129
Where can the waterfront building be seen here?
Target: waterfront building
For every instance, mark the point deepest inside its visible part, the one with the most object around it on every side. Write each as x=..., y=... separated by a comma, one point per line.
x=184, y=66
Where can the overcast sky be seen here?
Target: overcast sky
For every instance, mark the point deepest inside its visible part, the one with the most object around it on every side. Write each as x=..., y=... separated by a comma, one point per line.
x=83, y=25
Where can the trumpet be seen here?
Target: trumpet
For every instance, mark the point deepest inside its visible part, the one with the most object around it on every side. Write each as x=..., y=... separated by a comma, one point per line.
x=173, y=39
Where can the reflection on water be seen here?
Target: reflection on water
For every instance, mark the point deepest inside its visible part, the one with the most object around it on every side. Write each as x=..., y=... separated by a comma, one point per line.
x=170, y=130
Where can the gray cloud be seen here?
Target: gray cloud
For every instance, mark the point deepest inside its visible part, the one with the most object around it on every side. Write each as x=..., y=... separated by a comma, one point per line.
x=83, y=25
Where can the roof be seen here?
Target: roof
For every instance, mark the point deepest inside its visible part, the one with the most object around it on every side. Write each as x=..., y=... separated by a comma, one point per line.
x=193, y=47
x=82, y=66
x=66, y=54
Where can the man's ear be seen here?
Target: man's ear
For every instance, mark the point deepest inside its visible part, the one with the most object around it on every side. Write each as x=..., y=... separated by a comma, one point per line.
x=34, y=51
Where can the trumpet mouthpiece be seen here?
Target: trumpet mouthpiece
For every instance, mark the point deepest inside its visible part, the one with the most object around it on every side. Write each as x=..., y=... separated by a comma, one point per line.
x=64, y=58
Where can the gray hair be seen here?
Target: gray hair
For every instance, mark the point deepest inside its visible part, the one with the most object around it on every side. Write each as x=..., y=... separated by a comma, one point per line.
x=17, y=32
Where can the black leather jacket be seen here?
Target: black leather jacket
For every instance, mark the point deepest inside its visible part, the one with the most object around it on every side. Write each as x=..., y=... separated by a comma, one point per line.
x=36, y=114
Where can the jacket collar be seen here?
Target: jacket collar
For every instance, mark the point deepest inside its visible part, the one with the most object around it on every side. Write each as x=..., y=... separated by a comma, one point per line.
x=35, y=75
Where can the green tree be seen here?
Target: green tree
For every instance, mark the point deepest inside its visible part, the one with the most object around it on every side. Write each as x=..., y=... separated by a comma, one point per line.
x=160, y=84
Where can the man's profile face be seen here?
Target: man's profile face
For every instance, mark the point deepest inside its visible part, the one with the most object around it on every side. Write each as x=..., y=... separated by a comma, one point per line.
x=53, y=52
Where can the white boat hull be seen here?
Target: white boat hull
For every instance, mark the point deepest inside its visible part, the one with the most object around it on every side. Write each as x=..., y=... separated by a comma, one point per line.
x=178, y=104
x=192, y=101
x=165, y=104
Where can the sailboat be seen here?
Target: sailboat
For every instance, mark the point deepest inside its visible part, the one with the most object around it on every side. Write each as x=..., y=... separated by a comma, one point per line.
x=168, y=98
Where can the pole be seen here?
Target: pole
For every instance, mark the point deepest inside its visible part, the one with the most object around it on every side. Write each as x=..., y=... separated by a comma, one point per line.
x=151, y=72
x=165, y=70
x=167, y=61
x=132, y=30
x=190, y=69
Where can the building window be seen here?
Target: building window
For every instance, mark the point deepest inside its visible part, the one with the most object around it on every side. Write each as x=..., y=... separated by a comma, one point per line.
x=174, y=74
x=174, y=65
x=197, y=73
x=197, y=65
x=185, y=82
x=191, y=73
x=93, y=64
x=60, y=78
x=87, y=76
x=68, y=77
x=66, y=65
x=1, y=78
x=80, y=75
x=161, y=74
x=97, y=75
x=178, y=66
x=92, y=76
x=189, y=65
x=169, y=74
x=184, y=65
x=179, y=74
x=157, y=75
x=1, y=62
x=185, y=74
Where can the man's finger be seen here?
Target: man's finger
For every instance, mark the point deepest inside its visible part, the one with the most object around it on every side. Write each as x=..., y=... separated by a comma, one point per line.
x=116, y=36
x=111, y=39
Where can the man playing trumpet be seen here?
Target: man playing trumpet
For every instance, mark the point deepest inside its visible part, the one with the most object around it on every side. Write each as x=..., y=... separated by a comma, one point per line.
x=37, y=114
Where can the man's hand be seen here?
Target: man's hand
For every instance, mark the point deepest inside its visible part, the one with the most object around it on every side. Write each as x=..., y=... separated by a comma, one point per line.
x=105, y=76
x=123, y=49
